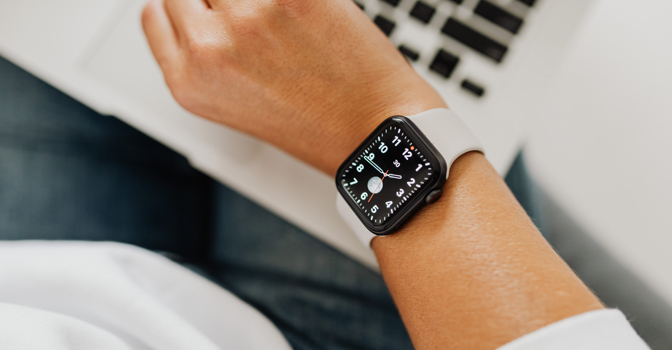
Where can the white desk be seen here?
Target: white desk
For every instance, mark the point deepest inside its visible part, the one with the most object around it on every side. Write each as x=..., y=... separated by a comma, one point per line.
x=603, y=148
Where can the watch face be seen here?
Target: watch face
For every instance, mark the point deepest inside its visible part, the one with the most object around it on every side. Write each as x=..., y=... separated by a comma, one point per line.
x=390, y=174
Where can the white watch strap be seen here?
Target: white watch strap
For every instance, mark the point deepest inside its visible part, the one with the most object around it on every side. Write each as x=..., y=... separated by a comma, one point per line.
x=448, y=133
x=451, y=137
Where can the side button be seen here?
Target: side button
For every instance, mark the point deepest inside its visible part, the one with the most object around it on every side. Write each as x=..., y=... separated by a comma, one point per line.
x=433, y=196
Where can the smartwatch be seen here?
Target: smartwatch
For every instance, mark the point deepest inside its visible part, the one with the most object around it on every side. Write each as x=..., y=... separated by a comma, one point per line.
x=400, y=167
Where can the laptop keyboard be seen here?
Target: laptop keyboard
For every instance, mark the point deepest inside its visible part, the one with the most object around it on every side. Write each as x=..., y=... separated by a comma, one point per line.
x=449, y=31
x=474, y=39
x=497, y=15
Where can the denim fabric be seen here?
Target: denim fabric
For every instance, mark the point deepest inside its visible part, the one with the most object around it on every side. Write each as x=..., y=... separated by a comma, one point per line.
x=67, y=172
x=319, y=298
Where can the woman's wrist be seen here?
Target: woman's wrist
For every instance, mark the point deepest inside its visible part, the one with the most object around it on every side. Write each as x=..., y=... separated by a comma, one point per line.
x=353, y=124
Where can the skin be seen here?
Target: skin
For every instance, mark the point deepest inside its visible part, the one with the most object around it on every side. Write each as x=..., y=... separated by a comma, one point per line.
x=314, y=78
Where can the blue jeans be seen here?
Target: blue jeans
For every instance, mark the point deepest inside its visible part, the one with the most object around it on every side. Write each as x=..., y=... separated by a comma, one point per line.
x=69, y=173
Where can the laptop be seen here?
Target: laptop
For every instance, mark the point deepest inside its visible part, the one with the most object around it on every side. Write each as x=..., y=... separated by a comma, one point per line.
x=491, y=60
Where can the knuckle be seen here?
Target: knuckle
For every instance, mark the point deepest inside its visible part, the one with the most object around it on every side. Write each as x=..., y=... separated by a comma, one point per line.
x=194, y=47
x=199, y=47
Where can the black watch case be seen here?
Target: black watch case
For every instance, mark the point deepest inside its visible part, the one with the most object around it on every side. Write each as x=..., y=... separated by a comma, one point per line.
x=391, y=175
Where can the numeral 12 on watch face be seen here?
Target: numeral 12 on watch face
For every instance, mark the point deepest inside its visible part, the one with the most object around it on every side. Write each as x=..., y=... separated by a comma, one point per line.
x=388, y=172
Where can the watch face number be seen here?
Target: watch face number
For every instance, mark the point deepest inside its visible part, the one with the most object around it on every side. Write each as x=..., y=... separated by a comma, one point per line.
x=388, y=172
x=407, y=154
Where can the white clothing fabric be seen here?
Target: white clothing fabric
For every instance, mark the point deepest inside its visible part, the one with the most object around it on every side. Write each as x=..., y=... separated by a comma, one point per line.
x=594, y=330
x=111, y=296
x=82, y=295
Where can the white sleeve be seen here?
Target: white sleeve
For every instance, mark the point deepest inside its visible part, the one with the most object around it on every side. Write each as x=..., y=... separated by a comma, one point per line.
x=595, y=330
x=110, y=296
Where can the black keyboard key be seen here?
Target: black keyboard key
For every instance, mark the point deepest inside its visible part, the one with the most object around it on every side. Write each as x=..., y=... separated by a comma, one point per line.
x=410, y=54
x=473, y=87
x=529, y=3
x=459, y=2
x=444, y=63
x=384, y=24
x=497, y=15
x=474, y=39
x=393, y=2
x=423, y=12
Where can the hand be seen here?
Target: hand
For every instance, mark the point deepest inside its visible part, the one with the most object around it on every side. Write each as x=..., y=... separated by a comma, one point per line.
x=311, y=77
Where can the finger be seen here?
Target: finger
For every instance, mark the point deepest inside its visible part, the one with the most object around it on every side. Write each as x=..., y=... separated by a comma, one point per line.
x=160, y=33
x=185, y=13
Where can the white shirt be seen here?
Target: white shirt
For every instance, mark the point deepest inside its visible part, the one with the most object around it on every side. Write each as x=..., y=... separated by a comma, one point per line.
x=110, y=296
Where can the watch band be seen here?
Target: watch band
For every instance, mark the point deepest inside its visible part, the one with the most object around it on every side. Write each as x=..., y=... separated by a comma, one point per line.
x=449, y=135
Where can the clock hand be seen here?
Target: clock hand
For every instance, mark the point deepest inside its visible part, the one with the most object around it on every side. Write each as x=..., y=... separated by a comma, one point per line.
x=394, y=176
x=374, y=165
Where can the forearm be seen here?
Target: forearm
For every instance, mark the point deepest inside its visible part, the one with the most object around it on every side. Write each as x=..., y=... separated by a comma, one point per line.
x=472, y=271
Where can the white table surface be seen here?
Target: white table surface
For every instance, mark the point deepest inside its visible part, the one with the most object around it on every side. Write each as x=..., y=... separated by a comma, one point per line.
x=603, y=148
